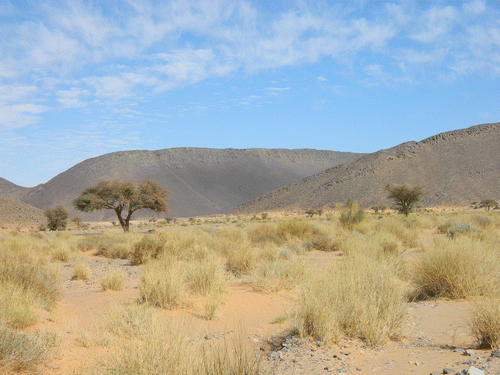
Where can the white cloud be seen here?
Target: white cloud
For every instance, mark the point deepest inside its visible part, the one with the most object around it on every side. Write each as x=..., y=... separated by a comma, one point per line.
x=20, y=115
x=434, y=23
x=320, y=79
x=71, y=98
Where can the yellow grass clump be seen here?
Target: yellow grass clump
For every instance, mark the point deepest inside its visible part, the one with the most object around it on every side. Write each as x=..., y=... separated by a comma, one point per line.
x=459, y=268
x=359, y=297
x=113, y=280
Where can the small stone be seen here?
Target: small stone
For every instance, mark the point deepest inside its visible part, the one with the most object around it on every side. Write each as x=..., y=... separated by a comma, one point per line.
x=435, y=373
x=495, y=353
x=474, y=371
x=448, y=371
x=469, y=352
x=417, y=364
x=358, y=369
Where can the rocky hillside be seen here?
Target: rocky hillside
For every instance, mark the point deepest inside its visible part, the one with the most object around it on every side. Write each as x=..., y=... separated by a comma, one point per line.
x=457, y=167
x=202, y=181
x=14, y=213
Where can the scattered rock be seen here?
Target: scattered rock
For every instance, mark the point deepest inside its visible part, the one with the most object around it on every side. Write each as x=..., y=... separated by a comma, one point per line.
x=469, y=352
x=448, y=371
x=495, y=353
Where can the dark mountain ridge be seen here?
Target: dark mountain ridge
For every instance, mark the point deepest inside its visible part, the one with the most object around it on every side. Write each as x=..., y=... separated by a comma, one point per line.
x=457, y=167
x=202, y=181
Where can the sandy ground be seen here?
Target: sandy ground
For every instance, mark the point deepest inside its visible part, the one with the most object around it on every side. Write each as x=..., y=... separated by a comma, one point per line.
x=436, y=332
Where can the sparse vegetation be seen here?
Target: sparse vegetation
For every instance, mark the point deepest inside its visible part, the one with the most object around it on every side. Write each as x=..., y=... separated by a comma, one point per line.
x=362, y=294
x=405, y=197
x=56, y=217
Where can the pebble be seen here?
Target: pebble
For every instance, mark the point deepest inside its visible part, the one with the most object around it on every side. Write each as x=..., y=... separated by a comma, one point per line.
x=469, y=352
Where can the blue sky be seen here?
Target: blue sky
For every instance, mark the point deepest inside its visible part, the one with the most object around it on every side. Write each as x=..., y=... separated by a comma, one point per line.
x=80, y=79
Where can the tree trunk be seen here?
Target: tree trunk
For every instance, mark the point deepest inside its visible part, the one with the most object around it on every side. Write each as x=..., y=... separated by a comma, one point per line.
x=124, y=223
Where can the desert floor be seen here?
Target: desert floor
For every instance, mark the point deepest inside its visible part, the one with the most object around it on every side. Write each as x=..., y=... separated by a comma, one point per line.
x=436, y=332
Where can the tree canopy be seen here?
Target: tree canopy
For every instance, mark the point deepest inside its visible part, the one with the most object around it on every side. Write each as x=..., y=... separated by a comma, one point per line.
x=404, y=196
x=124, y=198
x=56, y=217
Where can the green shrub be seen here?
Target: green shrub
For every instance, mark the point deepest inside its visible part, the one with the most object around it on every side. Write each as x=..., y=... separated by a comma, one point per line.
x=353, y=215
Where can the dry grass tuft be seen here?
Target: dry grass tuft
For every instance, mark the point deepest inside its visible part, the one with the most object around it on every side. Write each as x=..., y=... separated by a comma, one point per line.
x=282, y=274
x=359, y=297
x=459, y=268
x=20, y=351
x=162, y=283
x=485, y=323
x=113, y=280
x=81, y=270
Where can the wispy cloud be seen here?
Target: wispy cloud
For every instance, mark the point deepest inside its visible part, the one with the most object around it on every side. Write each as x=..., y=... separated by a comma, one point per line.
x=77, y=53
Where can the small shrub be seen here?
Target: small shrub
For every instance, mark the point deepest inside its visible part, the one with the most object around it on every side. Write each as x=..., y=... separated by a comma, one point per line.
x=445, y=227
x=56, y=217
x=264, y=215
x=112, y=281
x=462, y=228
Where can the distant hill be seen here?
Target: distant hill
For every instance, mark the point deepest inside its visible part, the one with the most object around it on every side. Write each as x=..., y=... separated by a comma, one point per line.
x=14, y=213
x=202, y=180
x=12, y=190
x=457, y=168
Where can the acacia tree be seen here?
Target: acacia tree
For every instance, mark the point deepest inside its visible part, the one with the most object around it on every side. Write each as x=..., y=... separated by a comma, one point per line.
x=404, y=196
x=124, y=198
